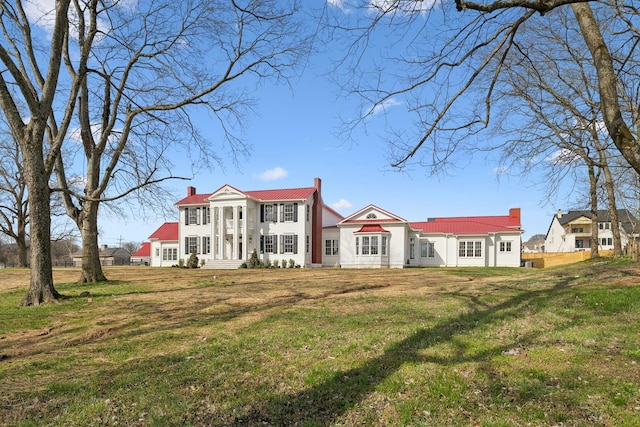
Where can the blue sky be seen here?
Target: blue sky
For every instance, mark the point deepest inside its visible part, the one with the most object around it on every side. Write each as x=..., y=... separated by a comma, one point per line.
x=294, y=138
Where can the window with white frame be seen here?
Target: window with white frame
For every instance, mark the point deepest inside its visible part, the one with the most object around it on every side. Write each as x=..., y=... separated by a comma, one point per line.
x=331, y=247
x=383, y=246
x=424, y=249
x=470, y=249
x=191, y=245
x=606, y=241
x=505, y=246
x=157, y=252
x=192, y=215
x=169, y=254
x=206, y=215
x=432, y=250
x=289, y=212
x=268, y=244
x=289, y=243
x=374, y=245
x=365, y=245
x=270, y=213
x=604, y=225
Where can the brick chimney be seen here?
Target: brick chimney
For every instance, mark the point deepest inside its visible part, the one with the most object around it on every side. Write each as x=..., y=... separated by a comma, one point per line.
x=316, y=225
x=191, y=191
x=515, y=213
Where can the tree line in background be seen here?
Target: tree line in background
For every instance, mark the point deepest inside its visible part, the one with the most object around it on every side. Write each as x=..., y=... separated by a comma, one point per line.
x=113, y=86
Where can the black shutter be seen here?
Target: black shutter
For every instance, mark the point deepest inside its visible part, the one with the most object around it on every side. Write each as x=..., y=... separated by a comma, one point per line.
x=186, y=216
x=295, y=244
x=275, y=244
x=275, y=212
x=282, y=243
x=186, y=246
x=261, y=213
x=295, y=212
x=261, y=244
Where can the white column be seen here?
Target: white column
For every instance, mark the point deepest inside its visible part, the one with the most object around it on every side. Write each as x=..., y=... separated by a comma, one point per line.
x=234, y=246
x=220, y=237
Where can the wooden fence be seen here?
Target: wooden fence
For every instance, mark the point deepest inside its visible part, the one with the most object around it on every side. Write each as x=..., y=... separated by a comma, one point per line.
x=552, y=259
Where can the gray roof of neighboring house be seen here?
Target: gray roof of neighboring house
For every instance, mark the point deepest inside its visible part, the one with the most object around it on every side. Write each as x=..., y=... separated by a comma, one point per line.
x=108, y=252
x=629, y=222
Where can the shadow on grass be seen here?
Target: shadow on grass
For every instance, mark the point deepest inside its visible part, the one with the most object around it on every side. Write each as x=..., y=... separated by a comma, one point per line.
x=325, y=402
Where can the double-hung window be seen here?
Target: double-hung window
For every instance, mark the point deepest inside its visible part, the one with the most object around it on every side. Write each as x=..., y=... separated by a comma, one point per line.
x=374, y=245
x=169, y=254
x=268, y=244
x=365, y=245
x=289, y=243
x=269, y=213
x=505, y=246
x=331, y=247
x=289, y=212
x=470, y=249
x=192, y=215
x=191, y=245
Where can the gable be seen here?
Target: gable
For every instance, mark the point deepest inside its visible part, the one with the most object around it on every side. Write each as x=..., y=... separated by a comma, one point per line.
x=226, y=192
x=372, y=214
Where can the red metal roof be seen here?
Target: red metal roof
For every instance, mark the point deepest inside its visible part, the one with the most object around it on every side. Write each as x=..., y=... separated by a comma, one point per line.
x=144, y=251
x=196, y=199
x=284, y=194
x=467, y=225
x=373, y=228
x=261, y=195
x=167, y=232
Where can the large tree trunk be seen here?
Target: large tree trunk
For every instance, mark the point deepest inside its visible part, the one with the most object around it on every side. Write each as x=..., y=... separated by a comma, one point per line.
x=609, y=186
x=593, y=192
x=88, y=223
x=607, y=85
x=41, y=289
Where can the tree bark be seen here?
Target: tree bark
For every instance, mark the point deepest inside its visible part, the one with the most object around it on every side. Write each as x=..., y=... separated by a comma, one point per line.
x=593, y=193
x=88, y=224
x=41, y=289
x=607, y=85
x=609, y=186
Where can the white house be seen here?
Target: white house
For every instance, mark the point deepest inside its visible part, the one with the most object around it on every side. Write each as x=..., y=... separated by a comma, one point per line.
x=571, y=232
x=224, y=227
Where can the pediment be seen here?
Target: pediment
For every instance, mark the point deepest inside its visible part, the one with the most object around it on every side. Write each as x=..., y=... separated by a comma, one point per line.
x=373, y=213
x=227, y=192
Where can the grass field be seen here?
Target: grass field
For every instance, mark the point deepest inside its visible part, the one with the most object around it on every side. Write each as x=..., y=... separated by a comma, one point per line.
x=319, y=347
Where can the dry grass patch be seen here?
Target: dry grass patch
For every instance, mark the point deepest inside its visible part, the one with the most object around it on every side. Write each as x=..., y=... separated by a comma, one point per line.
x=325, y=347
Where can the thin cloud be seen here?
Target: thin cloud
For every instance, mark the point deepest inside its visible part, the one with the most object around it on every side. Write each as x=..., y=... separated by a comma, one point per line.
x=341, y=205
x=384, y=105
x=272, y=174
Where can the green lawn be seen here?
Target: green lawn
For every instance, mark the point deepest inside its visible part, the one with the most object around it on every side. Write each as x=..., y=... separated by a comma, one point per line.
x=316, y=347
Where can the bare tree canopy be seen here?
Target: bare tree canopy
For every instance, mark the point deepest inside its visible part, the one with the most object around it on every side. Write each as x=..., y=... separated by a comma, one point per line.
x=444, y=63
x=120, y=80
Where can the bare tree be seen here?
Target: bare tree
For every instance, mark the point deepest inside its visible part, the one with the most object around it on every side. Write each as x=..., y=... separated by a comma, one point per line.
x=134, y=72
x=446, y=69
x=14, y=208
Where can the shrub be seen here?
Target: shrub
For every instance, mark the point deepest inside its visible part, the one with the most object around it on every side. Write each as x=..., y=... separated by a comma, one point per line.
x=284, y=263
x=181, y=263
x=292, y=263
x=192, y=262
x=254, y=262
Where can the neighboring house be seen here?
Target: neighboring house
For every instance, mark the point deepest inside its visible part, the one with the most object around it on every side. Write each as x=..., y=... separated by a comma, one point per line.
x=223, y=228
x=572, y=231
x=143, y=255
x=108, y=256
